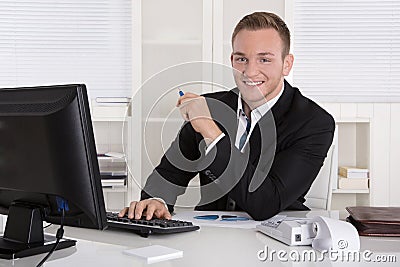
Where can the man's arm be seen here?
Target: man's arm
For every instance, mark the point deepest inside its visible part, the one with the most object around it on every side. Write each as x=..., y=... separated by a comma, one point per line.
x=177, y=167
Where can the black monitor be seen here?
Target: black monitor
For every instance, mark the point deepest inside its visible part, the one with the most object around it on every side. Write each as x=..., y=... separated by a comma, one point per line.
x=48, y=163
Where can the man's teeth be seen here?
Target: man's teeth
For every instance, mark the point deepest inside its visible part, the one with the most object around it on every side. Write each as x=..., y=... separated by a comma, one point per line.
x=252, y=83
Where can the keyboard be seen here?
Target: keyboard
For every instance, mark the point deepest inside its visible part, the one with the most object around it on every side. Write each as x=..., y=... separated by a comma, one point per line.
x=145, y=227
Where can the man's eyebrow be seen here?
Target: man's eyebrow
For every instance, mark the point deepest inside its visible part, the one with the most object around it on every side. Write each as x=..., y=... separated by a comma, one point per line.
x=238, y=54
x=259, y=54
x=266, y=54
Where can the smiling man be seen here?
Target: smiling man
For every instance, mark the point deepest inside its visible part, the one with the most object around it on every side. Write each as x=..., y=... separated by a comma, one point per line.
x=264, y=141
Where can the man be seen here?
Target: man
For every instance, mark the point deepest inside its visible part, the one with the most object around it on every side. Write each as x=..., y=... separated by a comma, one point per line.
x=261, y=156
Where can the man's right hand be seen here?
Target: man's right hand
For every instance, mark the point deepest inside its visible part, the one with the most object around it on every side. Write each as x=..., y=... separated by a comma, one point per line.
x=148, y=207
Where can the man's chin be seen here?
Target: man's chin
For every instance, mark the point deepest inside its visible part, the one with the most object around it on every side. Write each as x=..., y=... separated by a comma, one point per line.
x=254, y=101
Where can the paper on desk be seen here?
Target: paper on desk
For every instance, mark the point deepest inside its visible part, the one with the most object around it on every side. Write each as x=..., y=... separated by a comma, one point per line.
x=189, y=216
x=155, y=253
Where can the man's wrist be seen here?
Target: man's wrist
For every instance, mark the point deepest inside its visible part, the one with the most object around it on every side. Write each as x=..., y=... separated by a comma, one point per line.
x=212, y=144
x=211, y=134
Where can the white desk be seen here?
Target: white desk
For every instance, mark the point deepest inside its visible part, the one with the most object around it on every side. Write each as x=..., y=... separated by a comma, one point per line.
x=210, y=246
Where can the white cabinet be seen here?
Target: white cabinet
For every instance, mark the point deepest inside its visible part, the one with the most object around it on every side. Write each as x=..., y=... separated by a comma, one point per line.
x=111, y=126
x=354, y=143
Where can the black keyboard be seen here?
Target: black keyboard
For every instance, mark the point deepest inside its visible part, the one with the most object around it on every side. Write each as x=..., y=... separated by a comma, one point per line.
x=145, y=227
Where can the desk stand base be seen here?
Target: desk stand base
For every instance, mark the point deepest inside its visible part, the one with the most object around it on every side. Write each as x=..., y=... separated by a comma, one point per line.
x=14, y=250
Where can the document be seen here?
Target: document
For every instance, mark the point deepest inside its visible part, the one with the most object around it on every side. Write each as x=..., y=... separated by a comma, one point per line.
x=231, y=219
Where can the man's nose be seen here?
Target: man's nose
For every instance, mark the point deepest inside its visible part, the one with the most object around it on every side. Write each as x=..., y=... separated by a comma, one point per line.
x=251, y=69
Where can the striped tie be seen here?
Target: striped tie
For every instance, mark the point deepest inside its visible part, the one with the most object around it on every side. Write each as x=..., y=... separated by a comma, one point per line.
x=243, y=138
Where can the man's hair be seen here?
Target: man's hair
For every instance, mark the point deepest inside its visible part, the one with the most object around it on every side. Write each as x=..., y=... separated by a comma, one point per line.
x=265, y=20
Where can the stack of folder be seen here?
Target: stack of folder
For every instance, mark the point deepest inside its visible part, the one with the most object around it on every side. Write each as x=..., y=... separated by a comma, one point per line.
x=375, y=221
x=113, y=170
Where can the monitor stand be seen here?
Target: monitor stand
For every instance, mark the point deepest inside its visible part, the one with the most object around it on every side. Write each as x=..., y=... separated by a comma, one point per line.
x=23, y=235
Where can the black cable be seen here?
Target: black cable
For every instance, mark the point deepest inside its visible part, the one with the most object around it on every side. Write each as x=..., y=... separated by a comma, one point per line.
x=59, y=235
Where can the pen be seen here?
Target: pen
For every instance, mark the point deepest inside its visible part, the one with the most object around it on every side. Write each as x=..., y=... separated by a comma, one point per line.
x=181, y=93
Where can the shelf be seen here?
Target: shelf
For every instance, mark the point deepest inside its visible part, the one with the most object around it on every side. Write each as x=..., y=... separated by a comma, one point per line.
x=117, y=189
x=353, y=120
x=350, y=191
x=110, y=159
x=120, y=119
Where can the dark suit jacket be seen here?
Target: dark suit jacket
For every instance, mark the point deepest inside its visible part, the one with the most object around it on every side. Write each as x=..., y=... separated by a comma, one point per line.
x=284, y=155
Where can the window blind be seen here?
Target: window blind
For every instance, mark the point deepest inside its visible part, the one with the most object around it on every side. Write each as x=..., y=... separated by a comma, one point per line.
x=69, y=41
x=347, y=50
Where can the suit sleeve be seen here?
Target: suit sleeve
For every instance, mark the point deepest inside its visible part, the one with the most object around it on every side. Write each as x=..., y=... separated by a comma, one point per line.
x=263, y=192
x=176, y=168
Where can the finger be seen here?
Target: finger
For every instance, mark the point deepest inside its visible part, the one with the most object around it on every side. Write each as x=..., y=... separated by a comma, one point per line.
x=123, y=212
x=185, y=98
x=184, y=113
x=166, y=215
x=132, y=209
x=163, y=213
x=150, y=211
x=140, y=206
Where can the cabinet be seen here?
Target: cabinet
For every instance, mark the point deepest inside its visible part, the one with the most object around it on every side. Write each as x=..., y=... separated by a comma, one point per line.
x=111, y=126
x=353, y=149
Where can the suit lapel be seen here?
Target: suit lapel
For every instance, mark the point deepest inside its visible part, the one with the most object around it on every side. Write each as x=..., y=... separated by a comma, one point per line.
x=283, y=104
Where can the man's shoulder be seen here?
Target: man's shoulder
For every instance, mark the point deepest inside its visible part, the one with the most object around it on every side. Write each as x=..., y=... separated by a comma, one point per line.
x=308, y=109
x=233, y=93
x=228, y=97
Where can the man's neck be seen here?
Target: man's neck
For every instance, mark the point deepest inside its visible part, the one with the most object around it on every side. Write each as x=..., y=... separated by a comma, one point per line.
x=248, y=108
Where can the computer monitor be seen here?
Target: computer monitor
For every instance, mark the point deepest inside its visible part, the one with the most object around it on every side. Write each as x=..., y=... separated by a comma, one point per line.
x=48, y=162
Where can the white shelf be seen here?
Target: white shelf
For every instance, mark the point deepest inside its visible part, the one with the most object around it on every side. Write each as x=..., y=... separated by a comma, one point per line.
x=117, y=189
x=110, y=159
x=353, y=120
x=350, y=191
x=121, y=119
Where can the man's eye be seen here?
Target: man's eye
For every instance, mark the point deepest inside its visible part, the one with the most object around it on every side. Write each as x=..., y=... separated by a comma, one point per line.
x=241, y=59
x=264, y=60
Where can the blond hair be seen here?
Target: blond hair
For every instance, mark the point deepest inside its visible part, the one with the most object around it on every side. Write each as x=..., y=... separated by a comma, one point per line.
x=265, y=20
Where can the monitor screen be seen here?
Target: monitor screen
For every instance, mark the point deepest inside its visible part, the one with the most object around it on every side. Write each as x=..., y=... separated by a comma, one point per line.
x=48, y=162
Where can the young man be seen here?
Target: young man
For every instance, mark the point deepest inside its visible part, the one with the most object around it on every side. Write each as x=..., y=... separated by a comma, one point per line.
x=265, y=142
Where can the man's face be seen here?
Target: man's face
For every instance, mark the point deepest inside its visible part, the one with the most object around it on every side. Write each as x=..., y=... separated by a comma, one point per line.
x=260, y=70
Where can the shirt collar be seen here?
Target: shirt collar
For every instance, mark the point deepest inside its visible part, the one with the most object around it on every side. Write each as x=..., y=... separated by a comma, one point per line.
x=260, y=111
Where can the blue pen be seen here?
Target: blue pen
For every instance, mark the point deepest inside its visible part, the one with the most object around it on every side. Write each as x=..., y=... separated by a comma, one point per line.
x=181, y=93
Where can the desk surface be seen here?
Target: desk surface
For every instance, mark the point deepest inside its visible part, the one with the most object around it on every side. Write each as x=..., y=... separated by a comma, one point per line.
x=210, y=246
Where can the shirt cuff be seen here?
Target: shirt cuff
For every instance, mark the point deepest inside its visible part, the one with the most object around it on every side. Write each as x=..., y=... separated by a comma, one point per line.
x=214, y=143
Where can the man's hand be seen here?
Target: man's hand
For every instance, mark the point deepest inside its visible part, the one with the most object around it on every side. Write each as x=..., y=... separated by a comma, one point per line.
x=148, y=207
x=194, y=108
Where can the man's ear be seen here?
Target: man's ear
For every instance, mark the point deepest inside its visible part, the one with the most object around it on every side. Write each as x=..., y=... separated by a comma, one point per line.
x=287, y=64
